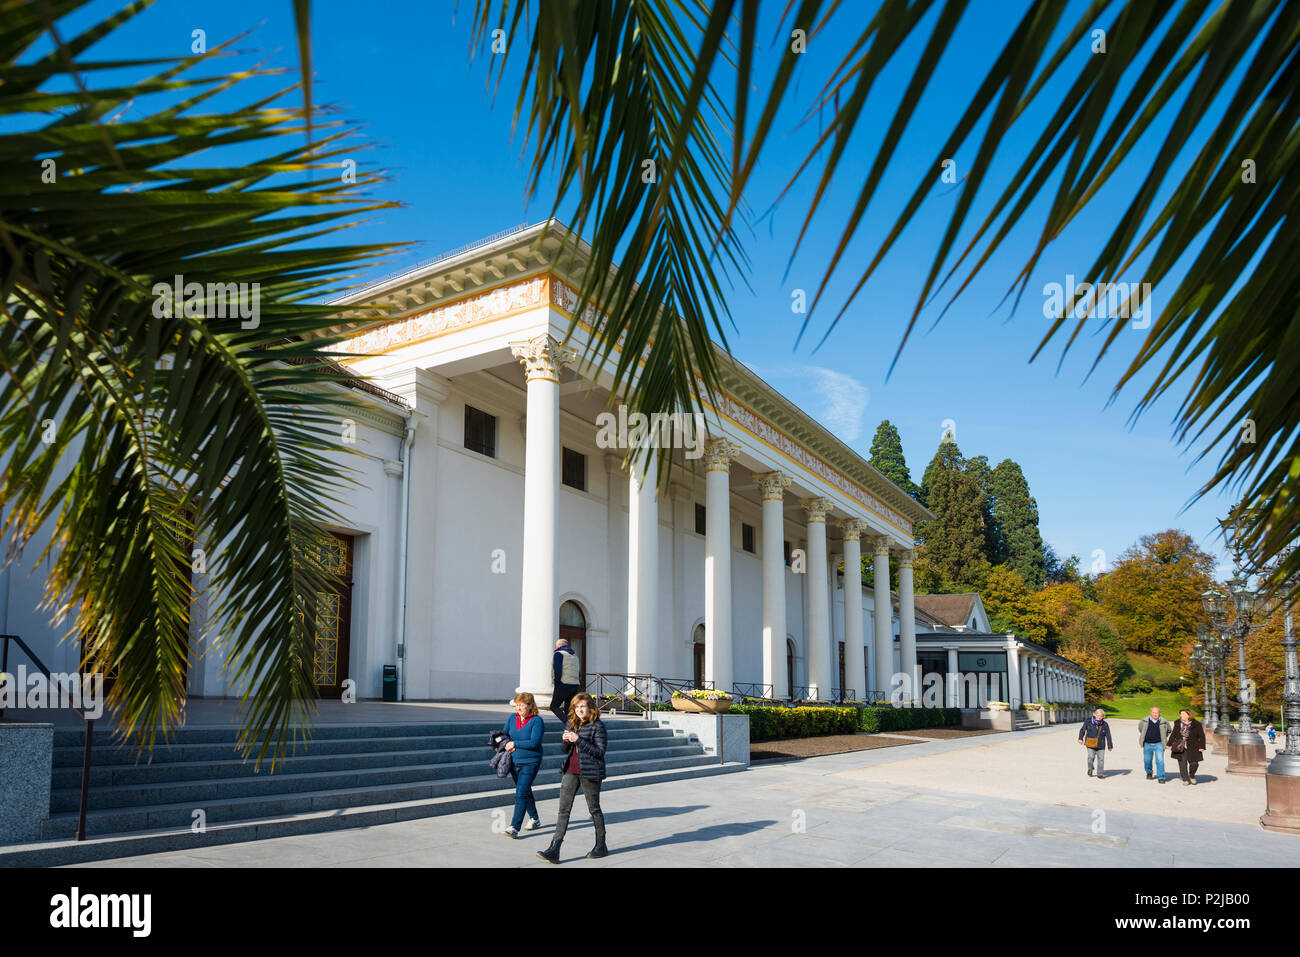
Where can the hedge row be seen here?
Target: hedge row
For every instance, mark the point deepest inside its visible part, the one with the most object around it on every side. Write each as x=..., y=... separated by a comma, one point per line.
x=767, y=723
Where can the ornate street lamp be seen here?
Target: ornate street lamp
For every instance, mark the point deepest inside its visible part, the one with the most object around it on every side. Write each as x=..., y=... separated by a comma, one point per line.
x=1282, y=781
x=1246, y=752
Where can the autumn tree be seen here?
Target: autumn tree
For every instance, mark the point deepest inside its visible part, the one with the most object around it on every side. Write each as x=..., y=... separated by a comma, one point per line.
x=1091, y=641
x=1153, y=594
x=1011, y=608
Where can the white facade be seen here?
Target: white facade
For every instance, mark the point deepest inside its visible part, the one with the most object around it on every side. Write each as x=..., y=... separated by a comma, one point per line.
x=496, y=543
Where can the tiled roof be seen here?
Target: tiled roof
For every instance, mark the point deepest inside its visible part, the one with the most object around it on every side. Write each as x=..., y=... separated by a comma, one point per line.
x=949, y=609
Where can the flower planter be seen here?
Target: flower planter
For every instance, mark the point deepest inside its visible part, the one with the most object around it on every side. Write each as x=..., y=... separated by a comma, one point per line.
x=702, y=707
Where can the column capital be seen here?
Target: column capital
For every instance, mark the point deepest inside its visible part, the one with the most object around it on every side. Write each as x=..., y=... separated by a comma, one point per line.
x=879, y=545
x=816, y=508
x=772, y=485
x=852, y=527
x=906, y=557
x=542, y=357
x=718, y=454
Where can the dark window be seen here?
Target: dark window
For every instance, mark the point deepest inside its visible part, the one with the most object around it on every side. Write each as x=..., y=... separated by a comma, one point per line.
x=787, y=553
x=573, y=470
x=747, y=537
x=699, y=519
x=480, y=431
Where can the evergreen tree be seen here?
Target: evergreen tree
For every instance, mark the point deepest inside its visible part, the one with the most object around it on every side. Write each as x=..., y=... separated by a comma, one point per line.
x=954, y=540
x=995, y=549
x=887, y=458
x=1016, y=515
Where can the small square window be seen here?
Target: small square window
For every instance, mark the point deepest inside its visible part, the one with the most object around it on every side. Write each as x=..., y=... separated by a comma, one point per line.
x=573, y=470
x=480, y=431
x=747, y=537
x=699, y=519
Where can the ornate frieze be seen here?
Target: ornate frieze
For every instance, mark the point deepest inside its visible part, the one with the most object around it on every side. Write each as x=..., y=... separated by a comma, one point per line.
x=450, y=316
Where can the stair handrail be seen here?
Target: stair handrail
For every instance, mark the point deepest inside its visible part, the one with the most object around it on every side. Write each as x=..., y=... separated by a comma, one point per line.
x=90, y=725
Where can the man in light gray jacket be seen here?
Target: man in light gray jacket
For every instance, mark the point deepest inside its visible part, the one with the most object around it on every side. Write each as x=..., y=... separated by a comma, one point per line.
x=1153, y=735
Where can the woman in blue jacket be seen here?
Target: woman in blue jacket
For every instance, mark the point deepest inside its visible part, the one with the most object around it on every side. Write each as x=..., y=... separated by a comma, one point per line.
x=525, y=747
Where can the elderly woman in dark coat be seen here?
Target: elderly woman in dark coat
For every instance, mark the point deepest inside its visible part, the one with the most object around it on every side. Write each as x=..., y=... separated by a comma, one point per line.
x=1186, y=742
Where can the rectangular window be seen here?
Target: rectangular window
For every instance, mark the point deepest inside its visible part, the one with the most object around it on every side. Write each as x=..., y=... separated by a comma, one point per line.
x=699, y=519
x=747, y=537
x=786, y=544
x=480, y=432
x=573, y=469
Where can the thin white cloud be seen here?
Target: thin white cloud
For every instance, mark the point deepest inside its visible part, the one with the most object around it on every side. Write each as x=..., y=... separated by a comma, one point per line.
x=843, y=399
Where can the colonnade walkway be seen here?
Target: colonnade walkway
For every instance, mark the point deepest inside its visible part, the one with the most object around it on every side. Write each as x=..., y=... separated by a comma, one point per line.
x=1006, y=800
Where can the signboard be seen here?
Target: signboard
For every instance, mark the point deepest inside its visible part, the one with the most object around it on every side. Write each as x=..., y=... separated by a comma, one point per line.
x=982, y=661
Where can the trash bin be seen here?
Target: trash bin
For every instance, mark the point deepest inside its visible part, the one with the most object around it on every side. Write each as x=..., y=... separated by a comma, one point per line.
x=390, y=682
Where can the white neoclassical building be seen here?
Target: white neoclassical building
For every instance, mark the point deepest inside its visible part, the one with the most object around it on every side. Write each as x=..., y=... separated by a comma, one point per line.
x=493, y=513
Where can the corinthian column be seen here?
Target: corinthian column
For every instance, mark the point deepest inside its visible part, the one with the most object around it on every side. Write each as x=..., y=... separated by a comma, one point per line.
x=855, y=674
x=773, y=486
x=542, y=358
x=717, y=563
x=643, y=564
x=884, y=635
x=907, y=623
x=819, y=610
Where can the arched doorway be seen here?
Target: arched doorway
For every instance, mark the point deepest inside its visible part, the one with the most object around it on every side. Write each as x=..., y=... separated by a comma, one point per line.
x=573, y=628
x=791, y=684
x=697, y=650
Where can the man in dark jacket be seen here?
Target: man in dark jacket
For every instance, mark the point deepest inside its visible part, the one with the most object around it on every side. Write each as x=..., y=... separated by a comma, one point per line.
x=1092, y=735
x=567, y=671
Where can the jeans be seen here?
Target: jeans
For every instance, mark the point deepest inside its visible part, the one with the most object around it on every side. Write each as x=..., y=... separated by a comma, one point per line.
x=523, y=776
x=1098, y=755
x=1154, y=750
x=568, y=791
x=560, y=699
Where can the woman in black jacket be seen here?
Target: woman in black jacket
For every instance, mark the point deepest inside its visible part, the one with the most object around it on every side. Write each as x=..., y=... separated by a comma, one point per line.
x=1186, y=742
x=584, y=763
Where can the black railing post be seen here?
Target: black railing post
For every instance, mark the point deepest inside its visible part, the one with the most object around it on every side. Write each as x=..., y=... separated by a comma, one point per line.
x=85, y=780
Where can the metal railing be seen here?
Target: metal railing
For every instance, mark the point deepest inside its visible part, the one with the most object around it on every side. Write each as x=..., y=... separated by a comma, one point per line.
x=622, y=692
x=90, y=725
x=746, y=689
x=841, y=695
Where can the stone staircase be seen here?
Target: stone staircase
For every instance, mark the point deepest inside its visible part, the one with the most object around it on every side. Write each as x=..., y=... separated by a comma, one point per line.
x=347, y=775
x=1023, y=722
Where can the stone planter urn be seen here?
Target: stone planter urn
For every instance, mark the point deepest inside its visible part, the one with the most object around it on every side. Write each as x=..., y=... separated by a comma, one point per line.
x=722, y=706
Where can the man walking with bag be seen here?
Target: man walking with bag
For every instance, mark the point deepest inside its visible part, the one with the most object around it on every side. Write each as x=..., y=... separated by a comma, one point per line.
x=1153, y=734
x=1094, y=732
x=567, y=673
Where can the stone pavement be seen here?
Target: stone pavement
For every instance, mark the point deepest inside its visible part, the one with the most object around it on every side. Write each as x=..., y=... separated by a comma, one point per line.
x=1004, y=801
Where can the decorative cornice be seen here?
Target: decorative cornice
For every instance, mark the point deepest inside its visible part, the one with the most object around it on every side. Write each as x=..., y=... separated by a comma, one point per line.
x=772, y=485
x=816, y=508
x=718, y=455
x=542, y=357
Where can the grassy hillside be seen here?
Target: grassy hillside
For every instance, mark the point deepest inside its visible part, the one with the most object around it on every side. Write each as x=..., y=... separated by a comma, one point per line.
x=1137, y=707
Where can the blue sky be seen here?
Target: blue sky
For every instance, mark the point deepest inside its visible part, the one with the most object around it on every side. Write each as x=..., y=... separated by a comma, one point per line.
x=403, y=70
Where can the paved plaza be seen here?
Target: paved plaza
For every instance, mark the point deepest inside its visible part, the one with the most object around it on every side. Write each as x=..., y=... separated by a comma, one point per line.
x=1007, y=800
